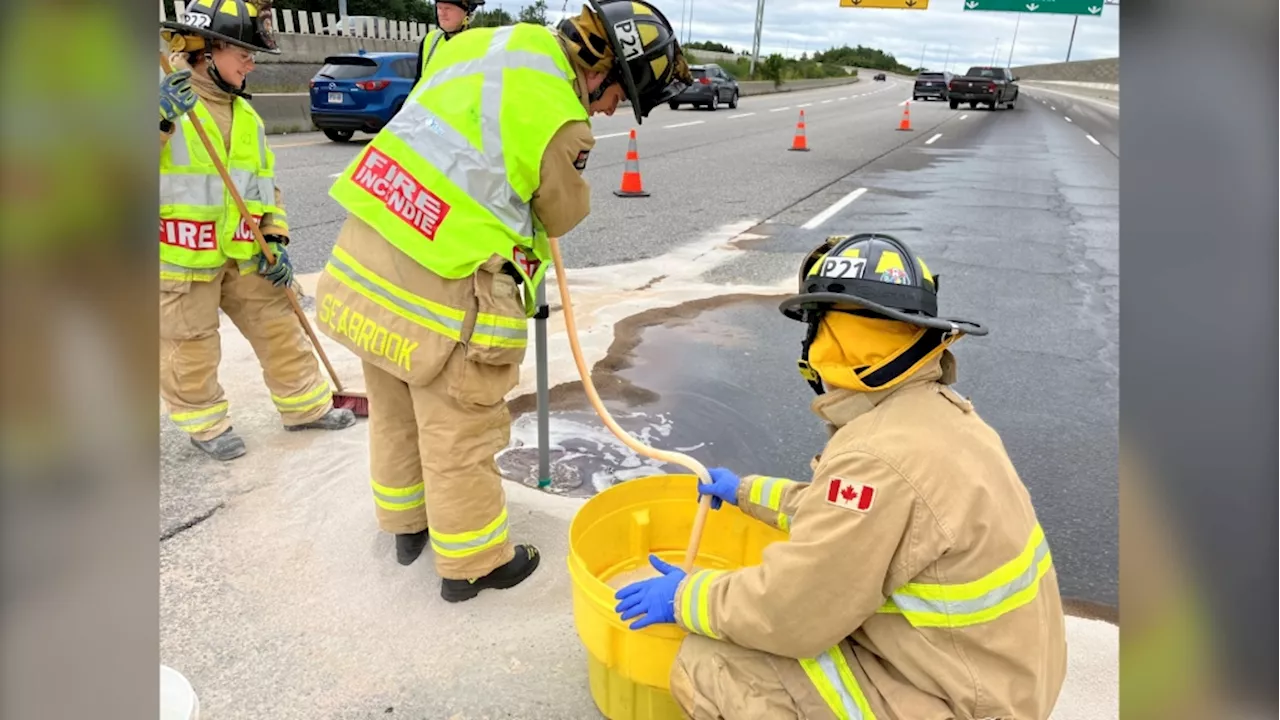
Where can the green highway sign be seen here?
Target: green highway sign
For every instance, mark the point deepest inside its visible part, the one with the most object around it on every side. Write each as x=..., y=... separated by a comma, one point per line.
x=1061, y=7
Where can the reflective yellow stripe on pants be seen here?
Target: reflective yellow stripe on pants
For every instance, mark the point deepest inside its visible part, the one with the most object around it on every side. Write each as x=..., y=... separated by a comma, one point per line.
x=1008, y=588
x=304, y=403
x=836, y=684
x=465, y=544
x=393, y=499
x=197, y=421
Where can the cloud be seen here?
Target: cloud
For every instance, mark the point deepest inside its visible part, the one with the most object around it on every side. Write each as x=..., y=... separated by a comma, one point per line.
x=796, y=26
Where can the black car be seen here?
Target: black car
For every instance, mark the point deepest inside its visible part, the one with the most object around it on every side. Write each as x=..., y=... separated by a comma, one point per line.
x=931, y=86
x=879, y=77
x=711, y=86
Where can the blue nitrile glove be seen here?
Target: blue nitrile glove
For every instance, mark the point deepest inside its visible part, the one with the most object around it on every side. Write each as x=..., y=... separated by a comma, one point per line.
x=654, y=598
x=723, y=487
x=282, y=272
x=176, y=95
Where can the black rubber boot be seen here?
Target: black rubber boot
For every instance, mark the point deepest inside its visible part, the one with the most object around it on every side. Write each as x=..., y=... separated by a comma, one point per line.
x=409, y=546
x=505, y=576
x=335, y=419
x=227, y=446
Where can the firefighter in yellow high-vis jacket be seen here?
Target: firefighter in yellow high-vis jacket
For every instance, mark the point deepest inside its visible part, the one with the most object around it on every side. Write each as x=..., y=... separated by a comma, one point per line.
x=451, y=208
x=916, y=583
x=208, y=256
x=452, y=17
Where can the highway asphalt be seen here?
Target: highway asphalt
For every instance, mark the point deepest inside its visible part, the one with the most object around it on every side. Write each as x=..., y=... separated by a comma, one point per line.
x=280, y=596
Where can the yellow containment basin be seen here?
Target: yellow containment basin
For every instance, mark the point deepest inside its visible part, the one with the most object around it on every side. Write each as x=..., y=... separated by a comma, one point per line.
x=615, y=532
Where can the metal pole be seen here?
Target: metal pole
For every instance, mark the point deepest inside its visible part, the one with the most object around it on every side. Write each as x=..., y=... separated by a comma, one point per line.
x=544, y=392
x=1014, y=44
x=688, y=35
x=946, y=64
x=1074, y=23
x=922, y=49
x=994, y=50
x=755, y=43
x=684, y=7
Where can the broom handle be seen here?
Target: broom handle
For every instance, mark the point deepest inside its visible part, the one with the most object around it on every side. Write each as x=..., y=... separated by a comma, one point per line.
x=257, y=232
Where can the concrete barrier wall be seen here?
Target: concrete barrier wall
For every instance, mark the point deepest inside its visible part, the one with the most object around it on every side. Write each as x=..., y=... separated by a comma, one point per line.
x=1105, y=71
x=291, y=112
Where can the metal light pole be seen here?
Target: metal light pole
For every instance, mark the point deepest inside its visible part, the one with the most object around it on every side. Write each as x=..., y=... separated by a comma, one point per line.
x=755, y=42
x=922, y=50
x=684, y=8
x=946, y=64
x=994, y=50
x=1014, y=44
x=1074, y=23
x=688, y=34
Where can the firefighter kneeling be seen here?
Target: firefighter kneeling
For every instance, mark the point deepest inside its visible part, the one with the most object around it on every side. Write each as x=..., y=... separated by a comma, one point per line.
x=917, y=583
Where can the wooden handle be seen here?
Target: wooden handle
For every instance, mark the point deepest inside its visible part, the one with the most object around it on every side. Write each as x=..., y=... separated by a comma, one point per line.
x=257, y=231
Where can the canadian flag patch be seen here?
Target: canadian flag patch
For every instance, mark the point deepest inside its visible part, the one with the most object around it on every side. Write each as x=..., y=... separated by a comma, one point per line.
x=850, y=495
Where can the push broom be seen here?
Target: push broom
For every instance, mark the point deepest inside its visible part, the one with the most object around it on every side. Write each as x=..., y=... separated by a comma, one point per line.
x=357, y=403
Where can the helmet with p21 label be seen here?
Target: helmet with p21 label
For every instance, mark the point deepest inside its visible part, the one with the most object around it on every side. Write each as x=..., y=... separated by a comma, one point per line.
x=647, y=57
x=876, y=276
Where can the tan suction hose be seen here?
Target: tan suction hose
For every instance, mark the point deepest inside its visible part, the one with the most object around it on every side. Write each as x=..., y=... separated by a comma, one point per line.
x=695, y=537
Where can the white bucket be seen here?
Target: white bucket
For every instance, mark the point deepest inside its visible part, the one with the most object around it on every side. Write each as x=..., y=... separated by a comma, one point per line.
x=177, y=697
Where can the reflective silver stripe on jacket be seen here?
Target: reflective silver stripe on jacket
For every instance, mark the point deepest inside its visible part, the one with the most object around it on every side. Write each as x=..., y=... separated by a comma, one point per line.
x=185, y=189
x=481, y=174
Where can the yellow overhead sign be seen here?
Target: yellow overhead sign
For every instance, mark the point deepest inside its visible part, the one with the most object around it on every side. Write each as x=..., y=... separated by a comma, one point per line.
x=887, y=4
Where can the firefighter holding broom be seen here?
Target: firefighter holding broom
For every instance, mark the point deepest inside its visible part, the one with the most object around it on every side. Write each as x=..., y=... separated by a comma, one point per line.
x=451, y=206
x=209, y=258
x=917, y=583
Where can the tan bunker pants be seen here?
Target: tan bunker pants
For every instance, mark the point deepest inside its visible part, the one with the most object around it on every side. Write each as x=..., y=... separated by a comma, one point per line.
x=431, y=457
x=715, y=680
x=191, y=348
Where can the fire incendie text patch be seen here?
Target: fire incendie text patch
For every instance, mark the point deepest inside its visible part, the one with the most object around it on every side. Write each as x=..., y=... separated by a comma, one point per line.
x=401, y=192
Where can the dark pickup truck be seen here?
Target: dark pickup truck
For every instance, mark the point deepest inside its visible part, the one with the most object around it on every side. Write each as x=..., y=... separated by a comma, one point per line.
x=992, y=86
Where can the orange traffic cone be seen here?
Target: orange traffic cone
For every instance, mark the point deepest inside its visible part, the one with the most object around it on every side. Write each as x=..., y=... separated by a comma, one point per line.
x=632, y=186
x=800, y=142
x=906, y=117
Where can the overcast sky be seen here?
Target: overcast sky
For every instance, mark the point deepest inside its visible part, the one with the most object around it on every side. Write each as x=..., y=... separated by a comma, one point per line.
x=793, y=26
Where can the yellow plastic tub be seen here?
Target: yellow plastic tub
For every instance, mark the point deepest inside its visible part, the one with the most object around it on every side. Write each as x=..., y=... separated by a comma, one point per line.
x=614, y=532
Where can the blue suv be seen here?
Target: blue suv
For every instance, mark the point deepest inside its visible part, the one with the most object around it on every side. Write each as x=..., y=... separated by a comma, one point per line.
x=360, y=91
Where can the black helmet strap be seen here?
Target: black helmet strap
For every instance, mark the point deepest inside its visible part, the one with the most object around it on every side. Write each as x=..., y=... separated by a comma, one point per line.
x=609, y=80
x=927, y=343
x=220, y=81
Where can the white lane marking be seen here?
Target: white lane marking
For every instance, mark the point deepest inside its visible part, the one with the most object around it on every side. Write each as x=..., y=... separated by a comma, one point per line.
x=611, y=135
x=804, y=105
x=731, y=117
x=335, y=175
x=780, y=109
x=933, y=139
x=964, y=116
x=846, y=97
x=824, y=102
x=1092, y=139
x=835, y=208
x=684, y=124
x=1053, y=108
x=1064, y=117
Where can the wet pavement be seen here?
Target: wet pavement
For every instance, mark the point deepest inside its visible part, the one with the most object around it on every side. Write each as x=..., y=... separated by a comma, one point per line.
x=1036, y=261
